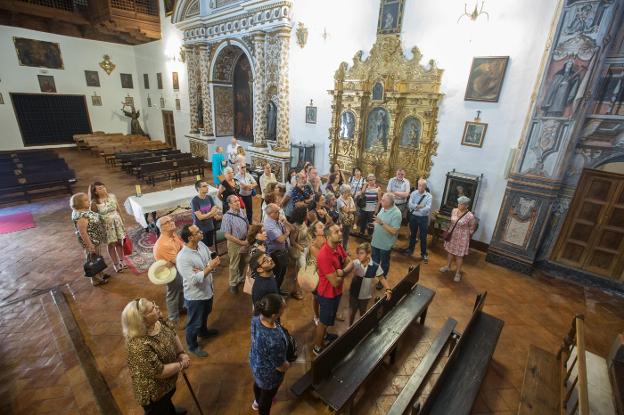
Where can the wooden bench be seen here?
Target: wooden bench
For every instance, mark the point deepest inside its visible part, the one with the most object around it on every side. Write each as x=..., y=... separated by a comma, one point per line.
x=456, y=389
x=572, y=381
x=616, y=372
x=345, y=365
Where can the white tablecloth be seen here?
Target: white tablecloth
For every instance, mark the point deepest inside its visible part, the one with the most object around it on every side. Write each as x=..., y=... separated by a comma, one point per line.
x=164, y=199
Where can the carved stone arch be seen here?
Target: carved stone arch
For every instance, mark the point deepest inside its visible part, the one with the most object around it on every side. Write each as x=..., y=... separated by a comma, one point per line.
x=184, y=10
x=225, y=44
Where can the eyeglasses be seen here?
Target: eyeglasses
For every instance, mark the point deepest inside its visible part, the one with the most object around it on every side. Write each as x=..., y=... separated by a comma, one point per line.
x=264, y=260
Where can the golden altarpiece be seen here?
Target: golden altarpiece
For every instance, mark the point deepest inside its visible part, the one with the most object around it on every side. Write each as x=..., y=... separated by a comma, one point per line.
x=385, y=112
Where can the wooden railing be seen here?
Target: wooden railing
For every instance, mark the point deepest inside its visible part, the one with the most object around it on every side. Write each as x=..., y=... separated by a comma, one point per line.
x=573, y=366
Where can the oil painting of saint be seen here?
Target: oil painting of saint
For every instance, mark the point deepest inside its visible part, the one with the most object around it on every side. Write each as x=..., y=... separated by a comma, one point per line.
x=486, y=78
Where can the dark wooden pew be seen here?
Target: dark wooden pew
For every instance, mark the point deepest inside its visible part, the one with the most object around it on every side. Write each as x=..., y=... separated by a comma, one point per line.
x=458, y=384
x=345, y=365
x=151, y=172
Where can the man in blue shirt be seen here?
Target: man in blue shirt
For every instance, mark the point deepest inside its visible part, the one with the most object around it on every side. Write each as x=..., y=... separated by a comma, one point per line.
x=419, y=206
x=277, y=243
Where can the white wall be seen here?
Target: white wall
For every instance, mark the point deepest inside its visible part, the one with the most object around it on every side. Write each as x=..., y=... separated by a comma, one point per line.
x=515, y=29
x=78, y=55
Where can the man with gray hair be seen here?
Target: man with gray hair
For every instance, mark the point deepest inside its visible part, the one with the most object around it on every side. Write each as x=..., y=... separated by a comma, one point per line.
x=419, y=206
x=399, y=187
x=387, y=224
x=235, y=226
x=166, y=248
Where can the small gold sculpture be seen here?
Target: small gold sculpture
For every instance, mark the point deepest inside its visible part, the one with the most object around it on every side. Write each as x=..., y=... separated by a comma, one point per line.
x=302, y=35
x=107, y=65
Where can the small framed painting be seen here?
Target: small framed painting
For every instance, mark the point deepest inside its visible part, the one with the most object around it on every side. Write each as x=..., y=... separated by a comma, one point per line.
x=176, y=81
x=146, y=81
x=126, y=80
x=96, y=100
x=46, y=83
x=474, y=133
x=149, y=101
x=162, y=102
x=1, y=99
x=92, y=78
x=177, y=104
x=129, y=100
x=159, y=80
x=310, y=114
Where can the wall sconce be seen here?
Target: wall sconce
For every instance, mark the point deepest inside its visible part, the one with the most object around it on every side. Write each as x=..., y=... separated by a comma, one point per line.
x=325, y=35
x=476, y=12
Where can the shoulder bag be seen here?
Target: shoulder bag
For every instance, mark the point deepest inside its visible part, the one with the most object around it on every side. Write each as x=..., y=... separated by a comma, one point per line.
x=292, y=348
x=447, y=235
x=94, y=265
x=308, y=277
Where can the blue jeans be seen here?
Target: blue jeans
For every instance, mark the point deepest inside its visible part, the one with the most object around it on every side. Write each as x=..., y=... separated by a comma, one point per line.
x=417, y=223
x=198, y=311
x=382, y=257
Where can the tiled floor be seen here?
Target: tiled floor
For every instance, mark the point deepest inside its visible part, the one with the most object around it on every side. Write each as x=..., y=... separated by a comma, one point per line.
x=39, y=372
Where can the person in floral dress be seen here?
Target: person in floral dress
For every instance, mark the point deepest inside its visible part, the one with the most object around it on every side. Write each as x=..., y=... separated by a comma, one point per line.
x=106, y=205
x=463, y=225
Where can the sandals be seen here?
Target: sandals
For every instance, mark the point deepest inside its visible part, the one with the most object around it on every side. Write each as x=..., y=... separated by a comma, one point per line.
x=95, y=281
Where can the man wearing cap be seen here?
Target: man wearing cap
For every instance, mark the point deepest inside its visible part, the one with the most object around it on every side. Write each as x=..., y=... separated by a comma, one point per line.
x=235, y=225
x=166, y=248
x=196, y=267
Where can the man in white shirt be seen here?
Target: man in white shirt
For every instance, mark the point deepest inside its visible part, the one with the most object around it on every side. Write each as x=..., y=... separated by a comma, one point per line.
x=399, y=187
x=195, y=266
x=419, y=206
x=232, y=152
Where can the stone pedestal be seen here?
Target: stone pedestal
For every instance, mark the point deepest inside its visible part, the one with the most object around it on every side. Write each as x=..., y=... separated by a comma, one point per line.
x=201, y=145
x=279, y=160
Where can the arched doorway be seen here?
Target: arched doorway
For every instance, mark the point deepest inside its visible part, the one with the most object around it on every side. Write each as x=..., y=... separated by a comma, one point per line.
x=232, y=85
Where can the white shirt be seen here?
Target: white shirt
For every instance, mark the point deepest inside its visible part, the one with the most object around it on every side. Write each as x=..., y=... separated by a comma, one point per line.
x=232, y=152
x=394, y=185
x=366, y=290
x=246, y=179
x=197, y=286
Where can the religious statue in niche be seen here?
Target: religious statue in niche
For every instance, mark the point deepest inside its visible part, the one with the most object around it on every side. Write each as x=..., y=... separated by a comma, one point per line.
x=271, y=126
x=410, y=132
x=378, y=91
x=200, y=108
x=347, y=125
x=135, y=126
x=377, y=129
x=563, y=89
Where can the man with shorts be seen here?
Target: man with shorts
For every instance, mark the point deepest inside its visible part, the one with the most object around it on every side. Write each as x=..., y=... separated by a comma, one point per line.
x=333, y=267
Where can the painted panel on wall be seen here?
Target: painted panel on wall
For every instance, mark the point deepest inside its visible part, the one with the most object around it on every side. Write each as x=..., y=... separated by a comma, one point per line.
x=38, y=53
x=243, y=100
x=224, y=109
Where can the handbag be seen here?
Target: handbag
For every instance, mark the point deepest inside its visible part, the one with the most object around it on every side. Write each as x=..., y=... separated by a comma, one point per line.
x=127, y=246
x=308, y=277
x=249, y=282
x=360, y=201
x=447, y=235
x=292, y=348
x=94, y=265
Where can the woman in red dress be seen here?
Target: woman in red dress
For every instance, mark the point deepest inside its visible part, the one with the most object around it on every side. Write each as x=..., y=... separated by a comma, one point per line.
x=463, y=225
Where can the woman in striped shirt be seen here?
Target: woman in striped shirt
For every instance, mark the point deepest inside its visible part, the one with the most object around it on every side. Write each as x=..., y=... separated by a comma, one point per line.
x=372, y=194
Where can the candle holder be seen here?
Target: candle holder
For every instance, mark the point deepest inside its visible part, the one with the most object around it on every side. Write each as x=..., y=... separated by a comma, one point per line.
x=137, y=190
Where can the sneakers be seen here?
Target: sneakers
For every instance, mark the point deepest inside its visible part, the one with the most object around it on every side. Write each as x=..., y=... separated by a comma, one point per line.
x=425, y=259
x=316, y=321
x=457, y=277
x=198, y=352
x=317, y=350
x=379, y=286
x=445, y=269
x=255, y=406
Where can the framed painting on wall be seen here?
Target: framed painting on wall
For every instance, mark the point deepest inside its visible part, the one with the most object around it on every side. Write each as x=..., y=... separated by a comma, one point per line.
x=92, y=78
x=162, y=102
x=1, y=99
x=390, y=16
x=177, y=104
x=96, y=100
x=176, y=81
x=129, y=100
x=149, y=101
x=159, y=83
x=146, y=81
x=46, y=83
x=311, y=112
x=486, y=78
x=126, y=80
x=474, y=133
x=38, y=53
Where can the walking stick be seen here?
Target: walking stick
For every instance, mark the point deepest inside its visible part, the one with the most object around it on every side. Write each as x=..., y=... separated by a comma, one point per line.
x=192, y=393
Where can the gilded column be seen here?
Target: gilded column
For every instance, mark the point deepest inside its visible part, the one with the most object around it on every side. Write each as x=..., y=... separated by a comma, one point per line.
x=194, y=84
x=259, y=91
x=204, y=68
x=283, y=129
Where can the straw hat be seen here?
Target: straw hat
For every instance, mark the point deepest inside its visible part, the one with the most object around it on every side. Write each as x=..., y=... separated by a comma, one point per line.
x=160, y=273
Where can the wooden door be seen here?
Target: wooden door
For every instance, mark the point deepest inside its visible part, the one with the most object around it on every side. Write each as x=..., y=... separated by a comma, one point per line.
x=592, y=237
x=169, y=128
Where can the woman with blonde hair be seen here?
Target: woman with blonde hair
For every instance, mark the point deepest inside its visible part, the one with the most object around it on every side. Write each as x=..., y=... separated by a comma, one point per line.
x=463, y=225
x=155, y=356
x=107, y=206
x=89, y=231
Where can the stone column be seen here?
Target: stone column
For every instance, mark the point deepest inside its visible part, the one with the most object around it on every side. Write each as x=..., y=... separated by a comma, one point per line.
x=572, y=57
x=192, y=67
x=204, y=67
x=283, y=128
x=259, y=91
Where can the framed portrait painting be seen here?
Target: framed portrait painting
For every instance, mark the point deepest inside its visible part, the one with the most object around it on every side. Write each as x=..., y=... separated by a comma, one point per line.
x=457, y=185
x=92, y=78
x=96, y=100
x=486, y=78
x=474, y=132
x=145, y=81
x=38, y=53
x=126, y=80
x=129, y=100
x=390, y=16
x=46, y=83
x=310, y=114
x=159, y=83
x=177, y=104
x=175, y=80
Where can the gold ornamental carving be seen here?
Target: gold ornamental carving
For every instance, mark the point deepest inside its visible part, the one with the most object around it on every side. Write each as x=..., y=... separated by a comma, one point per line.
x=199, y=149
x=385, y=111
